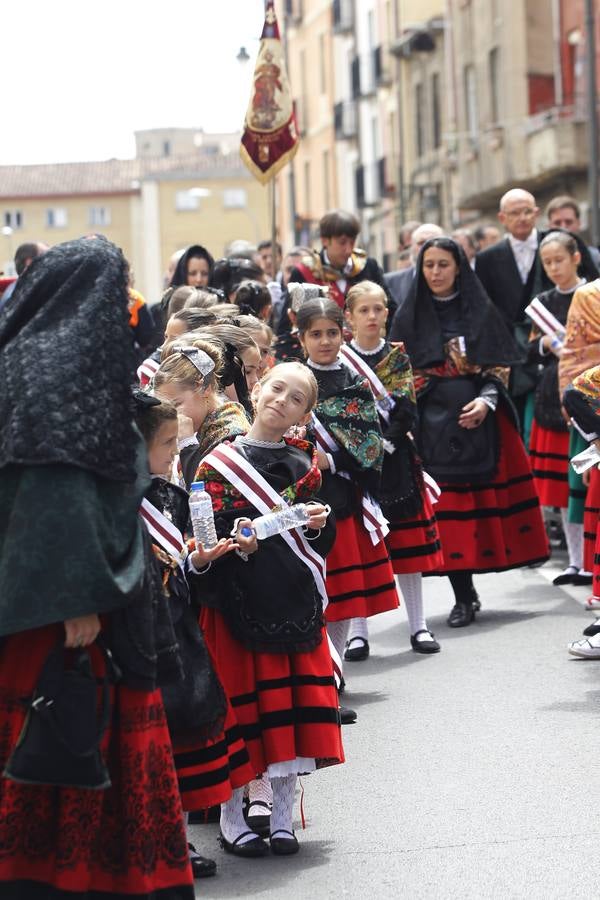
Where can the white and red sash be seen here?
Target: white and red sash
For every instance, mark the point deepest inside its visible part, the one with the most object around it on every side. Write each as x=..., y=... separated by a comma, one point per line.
x=147, y=370
x=164, y=532
x=374, y=520
x=257, y=490
x=383, y=399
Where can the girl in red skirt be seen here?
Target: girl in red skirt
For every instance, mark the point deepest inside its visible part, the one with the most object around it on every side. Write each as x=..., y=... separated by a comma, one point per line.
x=489, y=514
x=73, y=563
x=210, y=756
x=345, y=424
x=263, y=615
x=413, y=540
x=550, y=437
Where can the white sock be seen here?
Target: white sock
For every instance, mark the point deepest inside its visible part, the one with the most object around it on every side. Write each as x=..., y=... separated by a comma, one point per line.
x=338, y=632
x=232, y=818
x=284, y=791
x=260, y=791
x=411, y=588
x=358, y=629
x=574, y=537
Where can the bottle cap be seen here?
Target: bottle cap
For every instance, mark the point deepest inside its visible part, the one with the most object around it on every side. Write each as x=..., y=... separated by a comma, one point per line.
x=197, y=485
x=247, y=532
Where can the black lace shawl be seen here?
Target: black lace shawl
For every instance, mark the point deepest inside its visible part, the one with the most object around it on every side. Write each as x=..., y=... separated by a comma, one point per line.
x=488, y=339
x=67, y=361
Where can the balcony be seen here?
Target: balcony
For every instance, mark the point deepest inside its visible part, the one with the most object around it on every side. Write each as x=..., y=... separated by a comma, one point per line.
x=343, y=16
x=344, y=118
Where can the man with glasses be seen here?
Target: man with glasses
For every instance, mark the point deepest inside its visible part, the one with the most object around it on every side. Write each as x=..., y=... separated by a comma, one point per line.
x=400, y=283
x=507, y=271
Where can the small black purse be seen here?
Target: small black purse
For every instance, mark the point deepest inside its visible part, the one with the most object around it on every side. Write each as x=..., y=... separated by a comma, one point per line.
x=59, y=743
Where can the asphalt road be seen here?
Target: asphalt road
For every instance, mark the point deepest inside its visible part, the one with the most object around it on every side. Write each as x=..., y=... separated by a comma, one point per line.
x=470, y=774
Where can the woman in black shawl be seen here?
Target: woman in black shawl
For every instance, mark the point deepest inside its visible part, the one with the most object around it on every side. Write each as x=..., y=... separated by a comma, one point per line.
x=488, y=514
x=74, y=564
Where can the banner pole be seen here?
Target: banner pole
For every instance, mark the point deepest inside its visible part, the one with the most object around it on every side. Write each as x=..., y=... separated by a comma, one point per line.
x=274, y=254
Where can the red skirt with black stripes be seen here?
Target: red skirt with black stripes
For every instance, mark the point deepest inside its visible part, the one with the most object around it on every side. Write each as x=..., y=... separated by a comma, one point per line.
x=414, y=544
x=209, y=774
x=549, y=454
x=360, y=579
x=127, y=840
x=286, y=705
x=497, y=525
x=591, y=515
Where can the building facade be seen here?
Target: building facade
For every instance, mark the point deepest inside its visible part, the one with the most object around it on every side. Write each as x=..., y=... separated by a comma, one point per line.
x=439, y=107
x=150, y=206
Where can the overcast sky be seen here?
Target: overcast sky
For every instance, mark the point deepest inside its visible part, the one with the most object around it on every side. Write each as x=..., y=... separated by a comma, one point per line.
x=78, y=78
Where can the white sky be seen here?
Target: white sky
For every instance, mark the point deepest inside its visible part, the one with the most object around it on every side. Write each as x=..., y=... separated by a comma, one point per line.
x=78, y=78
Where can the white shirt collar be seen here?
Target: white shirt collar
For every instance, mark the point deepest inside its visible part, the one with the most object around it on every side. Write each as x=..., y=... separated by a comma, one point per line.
x=531, y=242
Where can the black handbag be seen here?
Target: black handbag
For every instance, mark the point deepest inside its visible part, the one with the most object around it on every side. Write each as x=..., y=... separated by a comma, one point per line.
x=449, y=452
x=59, y=743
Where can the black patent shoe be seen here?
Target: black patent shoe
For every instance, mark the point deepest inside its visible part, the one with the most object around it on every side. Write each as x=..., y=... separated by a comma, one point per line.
x=201, y=866
x=249, y=850
x=284, y=846
x=347, y=716
x=259, y=821
x=476, y=602
x=462, y=614
x=358, y=652
x=593, y=629
x=429, y=645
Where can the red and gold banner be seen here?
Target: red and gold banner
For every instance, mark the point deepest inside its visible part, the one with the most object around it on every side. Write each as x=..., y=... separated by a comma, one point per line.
x=270, y=136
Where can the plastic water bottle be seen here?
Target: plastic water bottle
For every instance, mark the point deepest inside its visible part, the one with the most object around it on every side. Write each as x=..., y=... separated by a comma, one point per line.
x=586, y=459
x=282, y=520
x=203, y=520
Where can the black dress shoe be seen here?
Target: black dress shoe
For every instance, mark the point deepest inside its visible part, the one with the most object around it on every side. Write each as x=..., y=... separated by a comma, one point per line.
x=284, y=846
x=568, y=576
x=201, y=866
x=249, y=850
x=583, y=579
x=429, y=645
x=476, y=602
x=260, y=820
x=347, y=716
x=593, y=629
x=358, y=652
x=462, y=614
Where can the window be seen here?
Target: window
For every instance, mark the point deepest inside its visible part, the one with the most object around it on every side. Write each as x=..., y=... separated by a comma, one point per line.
x=185, y=201
x=419, y=123
x=56, y=217
x=166, y=148
x=235, y=198
x=13, y=218
x=470, y=88
x=494, y=66
x=322, y=66
x=436, y=119
x=99, y=216
x=307, y=191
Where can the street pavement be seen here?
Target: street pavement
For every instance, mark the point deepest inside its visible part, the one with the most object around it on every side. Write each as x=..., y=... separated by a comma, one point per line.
x=469, y=774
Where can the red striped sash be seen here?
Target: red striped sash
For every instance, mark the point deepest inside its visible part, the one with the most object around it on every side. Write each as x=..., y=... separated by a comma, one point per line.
x=256, y=489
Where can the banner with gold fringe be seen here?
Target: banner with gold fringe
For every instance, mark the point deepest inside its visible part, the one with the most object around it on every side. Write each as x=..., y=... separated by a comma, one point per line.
x=270, y=137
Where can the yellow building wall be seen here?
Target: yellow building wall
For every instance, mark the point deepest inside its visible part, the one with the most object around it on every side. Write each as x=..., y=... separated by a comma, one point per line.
x=212, y=225
x=34, y=212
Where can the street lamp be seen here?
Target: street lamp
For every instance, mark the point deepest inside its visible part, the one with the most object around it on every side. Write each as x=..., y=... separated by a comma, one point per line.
x=7, y=231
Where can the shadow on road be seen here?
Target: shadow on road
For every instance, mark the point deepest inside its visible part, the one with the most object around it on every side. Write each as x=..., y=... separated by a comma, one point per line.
x=271, y=874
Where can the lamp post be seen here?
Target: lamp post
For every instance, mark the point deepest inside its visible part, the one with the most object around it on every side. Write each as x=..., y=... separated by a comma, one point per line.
x=7, y=231
x=592, y=103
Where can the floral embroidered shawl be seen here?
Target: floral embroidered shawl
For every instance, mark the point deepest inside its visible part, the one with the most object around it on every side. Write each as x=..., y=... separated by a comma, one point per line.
x=581, y=350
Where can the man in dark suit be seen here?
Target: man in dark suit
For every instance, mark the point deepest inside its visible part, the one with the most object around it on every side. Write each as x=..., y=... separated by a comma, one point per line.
x=564, y=212
x=507, y=271
x=400, y=283
x=338, y=265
